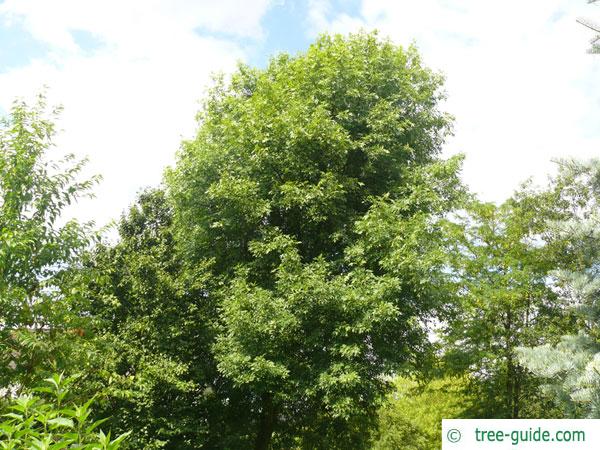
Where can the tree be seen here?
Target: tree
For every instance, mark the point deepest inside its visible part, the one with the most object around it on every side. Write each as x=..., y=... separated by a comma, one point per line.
x=311, y=200
x=152, y=351
x=571, y=368
x=38, y=318
x=502, y=264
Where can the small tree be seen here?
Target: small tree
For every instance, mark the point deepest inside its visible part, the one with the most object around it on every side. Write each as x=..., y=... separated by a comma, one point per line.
x=155, y=364
x=411, y=417
x=38, y=319
x=502, y=264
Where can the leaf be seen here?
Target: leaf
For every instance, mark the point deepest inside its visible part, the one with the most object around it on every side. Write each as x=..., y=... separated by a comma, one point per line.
x=61, y=422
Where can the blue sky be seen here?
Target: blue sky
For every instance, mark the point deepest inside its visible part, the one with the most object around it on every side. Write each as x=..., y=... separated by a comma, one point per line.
x=288, y=27
x=130, y=75
x=18, y=47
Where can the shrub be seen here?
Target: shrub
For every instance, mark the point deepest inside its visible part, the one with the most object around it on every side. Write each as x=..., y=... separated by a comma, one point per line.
x=47, y=418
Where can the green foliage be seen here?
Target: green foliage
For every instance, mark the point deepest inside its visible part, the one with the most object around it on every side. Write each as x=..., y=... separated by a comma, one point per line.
x=502, y=263
x=310, y=206
x=49, y=419
x=151, y=350
x=572, y=367
x=304, y=249
x=39, y=319
x=411, y=418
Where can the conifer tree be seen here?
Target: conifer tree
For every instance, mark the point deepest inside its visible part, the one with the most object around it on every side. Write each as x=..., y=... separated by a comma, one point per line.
x=572, y=368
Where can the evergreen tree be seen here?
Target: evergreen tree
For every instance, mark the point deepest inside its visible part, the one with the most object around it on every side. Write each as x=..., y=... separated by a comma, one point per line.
x=572, y=367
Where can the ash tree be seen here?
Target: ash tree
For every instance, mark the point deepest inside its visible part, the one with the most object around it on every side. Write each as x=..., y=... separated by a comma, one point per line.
x=311, y=205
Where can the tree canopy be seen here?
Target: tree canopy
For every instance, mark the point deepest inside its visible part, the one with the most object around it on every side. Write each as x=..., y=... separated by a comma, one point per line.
x=286, y=198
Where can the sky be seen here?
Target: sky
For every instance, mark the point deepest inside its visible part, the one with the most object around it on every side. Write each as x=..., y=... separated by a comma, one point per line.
x=131, y=76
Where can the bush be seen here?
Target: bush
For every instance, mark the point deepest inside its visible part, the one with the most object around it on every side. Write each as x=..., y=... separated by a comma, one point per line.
x=47, y=419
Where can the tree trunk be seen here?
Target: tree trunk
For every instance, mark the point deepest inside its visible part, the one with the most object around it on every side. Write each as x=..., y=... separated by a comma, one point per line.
x=510, y=366
x=267, y=423
x=509, y=386
x=516, y=394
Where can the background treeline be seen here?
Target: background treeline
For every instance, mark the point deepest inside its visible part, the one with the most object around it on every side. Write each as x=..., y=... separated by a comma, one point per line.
x=311, y=274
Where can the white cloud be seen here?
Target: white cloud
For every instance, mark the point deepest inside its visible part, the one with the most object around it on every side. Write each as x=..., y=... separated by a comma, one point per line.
x=140, y=23
x=520, y=84
x=128, y=102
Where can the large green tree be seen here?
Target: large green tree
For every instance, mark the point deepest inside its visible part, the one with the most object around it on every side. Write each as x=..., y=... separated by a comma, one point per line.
x=309, y=205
